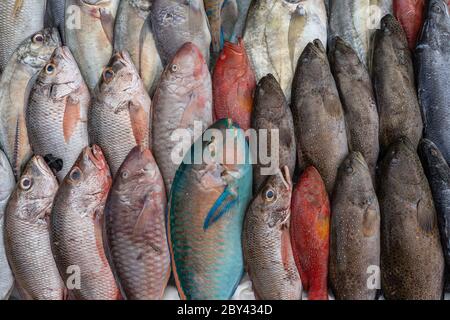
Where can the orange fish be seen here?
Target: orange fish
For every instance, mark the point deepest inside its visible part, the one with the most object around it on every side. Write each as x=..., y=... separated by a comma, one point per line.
x=410, y=14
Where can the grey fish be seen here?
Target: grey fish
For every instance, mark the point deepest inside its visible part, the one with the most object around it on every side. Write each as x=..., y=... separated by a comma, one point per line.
x=238, y=31
x=54, y=17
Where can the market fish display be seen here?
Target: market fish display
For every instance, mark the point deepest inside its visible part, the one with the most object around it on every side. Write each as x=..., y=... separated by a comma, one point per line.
x=410, y=14
x=54, y=16
x=56, y=115
x=15, y=85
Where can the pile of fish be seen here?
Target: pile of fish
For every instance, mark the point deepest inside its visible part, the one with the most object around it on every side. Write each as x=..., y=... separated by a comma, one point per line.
x=99, y=98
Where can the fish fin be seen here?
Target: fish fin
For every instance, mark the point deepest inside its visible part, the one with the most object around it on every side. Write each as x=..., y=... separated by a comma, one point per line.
x=220, y=207
x=371, y=221
x=139, y=123
x=426, y=217
x=144, y=218
x=107, y=20
x=17, y=7
x=71, y=117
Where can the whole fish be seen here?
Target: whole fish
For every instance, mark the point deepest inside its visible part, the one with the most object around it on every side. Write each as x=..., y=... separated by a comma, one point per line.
x=271, y=112
x=410, y=14
x=233, y=83
x=54, y=16
x=136, y=229
x=358, y=100
x=277, y=32
x=119, y=117
x=15, y=85
x=207, y=206
x=393, y=81
x=76, y=228
x=133, y=32
x=238, y=31
x=319, y=122
x=89, y=33
x=7, y=183
x=213, y=9
x=267, y=245
x=27, y=235
x=433, y=74
x=19, y=20
x=412, y=263
x=310, y=232
x=355, y=232
x=56, y=114
x=182, y=99
x=176, y=22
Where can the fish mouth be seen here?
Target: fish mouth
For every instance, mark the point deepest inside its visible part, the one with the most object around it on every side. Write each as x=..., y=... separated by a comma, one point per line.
x=95, y=155
x=42, y=165
x=285, y=177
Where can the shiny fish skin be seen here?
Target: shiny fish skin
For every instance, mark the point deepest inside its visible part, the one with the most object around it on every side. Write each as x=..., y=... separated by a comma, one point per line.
x=135, y=227
x=410, y=14
x=15, y=85
x=27, y=236
x=355, y=231
x=412, y=263
x=56, y=114
x=266, y=242
x=119, y=117
x=76, y=227
x=54, y=17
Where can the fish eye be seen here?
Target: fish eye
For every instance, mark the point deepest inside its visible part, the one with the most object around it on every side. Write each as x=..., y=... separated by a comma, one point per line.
x=75, y=174
x=38, y=38
x=50, y=68
x=269, y=195
x=174, y=68
x=26, y=183
x=108, y=75
x=125, y=174
x=437, y=9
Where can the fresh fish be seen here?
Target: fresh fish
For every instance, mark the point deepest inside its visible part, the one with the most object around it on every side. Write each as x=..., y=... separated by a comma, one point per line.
x=358, y=100
x=176, y=22
x=89, y=33
x=213, y=9
x=136, y=229
x=19, y=20
x=318, y=116
x=15, y=85
x=7, y=183
x=119, y=117
x=133, y=33
x=234, y=84
x=267, y=245
x=56, y=114
x=76, y=228
x=229, y=16
x=276, y=33
x=271, y=112
x=433, y=74
x=55, y=13
x=27, y=236
x=206, y=213
x=355, y=232
x=238, y=31
x=393, y=81
x=410, y=14
x=412, y=263
x=310, y=232
x=182, y=99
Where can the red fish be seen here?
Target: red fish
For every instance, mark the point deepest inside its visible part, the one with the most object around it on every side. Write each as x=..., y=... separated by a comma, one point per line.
x=310, y=232
x=234, y=83
x=410, y=14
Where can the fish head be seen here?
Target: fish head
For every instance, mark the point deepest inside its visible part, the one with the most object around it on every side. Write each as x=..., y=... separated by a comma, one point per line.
x=433, y=159
x=314, y=51
x=354, y=164
x=343, y=56
x=269, y=93
x=391, y=27
x=400, y=155
x=438, y=10
x=187, y=66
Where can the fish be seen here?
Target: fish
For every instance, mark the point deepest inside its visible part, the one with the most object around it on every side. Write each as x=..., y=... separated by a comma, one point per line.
x=233, y=83
x=56, y=115
x=320, y=130
x=7, y=184
x=119, y=117
x=310, y=232
x=19, y=20
x=76, y=225
x=15, y=85
x=271, y=112
x=180, y=105
x=355, y=232
x=176, y=22
x=277, y=32
x=213, y=9
x=358, y=101
x=27, y=236
x=136, y=229
x=385, y=6
x=89, y=33
x=207, y=204
x=133, y=33
x=410, y=14
x=393, y=81
x=412, y=261
x=54, y=16
x=267, y=245
x=239, y=25
x=433, y=74
x=229, y=15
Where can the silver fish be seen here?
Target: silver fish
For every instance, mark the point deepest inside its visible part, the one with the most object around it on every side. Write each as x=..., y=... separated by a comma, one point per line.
x=54, y=17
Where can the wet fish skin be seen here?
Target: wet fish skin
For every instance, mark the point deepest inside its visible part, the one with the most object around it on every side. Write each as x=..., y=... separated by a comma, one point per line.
x=15, y=85
x=27, y=235
x=393, y=81
x=229, y=16
x=412, y=262
x=119, y=117
x=320, y=130
x=54, y=16
x=136, y=229
x=238, y=31
x=310, y=232
x=56, y=114
x=410, y=14
x=76, y=227
x=355, y=231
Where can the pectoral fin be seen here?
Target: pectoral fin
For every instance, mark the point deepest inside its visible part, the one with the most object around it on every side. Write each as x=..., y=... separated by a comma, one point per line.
x=226, y=200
